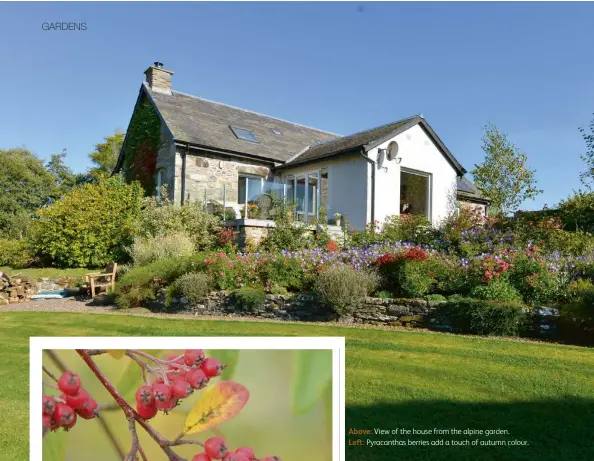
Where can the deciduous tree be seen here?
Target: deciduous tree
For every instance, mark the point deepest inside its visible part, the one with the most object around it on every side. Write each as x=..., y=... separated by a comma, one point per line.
x=504, y=176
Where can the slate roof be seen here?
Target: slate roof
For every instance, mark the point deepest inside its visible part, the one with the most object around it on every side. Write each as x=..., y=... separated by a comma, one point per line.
x=347, y=143
x=467, y=189
x=368, y=139
x=206, y=123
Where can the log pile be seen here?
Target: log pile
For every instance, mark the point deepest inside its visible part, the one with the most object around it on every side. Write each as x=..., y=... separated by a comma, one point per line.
x=17, y=289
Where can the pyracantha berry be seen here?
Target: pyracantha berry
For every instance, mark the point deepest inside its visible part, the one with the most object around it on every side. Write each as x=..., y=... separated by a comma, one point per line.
x=147, y=412
x=161, y=392
x=47, y=424
x=144, y=396
x=194, y=357
x=201, y=457
x=69, y=383
x=64, y=415
x=87, y=409
x=215, y=447
x=247, y=451
x=197, y=378
x=235, y=456
x=180, y=388
x=166, y=406
x=212, y=367
x=49, y=405
x=76, y=400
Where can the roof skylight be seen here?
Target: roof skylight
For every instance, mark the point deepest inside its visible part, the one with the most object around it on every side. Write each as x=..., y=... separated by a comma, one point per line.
x=276, y=132
x=243, y=133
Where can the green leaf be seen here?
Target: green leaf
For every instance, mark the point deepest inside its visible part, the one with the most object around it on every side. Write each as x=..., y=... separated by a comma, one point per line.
x=54, y=446
x=229, y=357
x=312, y=370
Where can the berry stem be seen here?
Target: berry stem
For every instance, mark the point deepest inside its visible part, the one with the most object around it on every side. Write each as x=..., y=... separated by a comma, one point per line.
x=49, y=373
x=110, y=435
x=127, y=409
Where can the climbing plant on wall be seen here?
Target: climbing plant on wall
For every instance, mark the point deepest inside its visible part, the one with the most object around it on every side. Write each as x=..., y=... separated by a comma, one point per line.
x=143, y=141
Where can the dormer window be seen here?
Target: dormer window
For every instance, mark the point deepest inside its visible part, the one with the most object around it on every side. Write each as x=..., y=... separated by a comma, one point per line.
x=244, y=134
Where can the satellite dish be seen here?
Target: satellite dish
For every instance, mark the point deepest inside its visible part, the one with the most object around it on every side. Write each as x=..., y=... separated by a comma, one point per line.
x=392, y=150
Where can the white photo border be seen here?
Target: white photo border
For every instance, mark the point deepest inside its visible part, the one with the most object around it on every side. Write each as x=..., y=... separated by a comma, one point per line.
x=334, y=343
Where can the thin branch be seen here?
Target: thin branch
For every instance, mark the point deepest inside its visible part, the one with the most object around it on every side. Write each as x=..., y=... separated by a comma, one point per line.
x=128, y=410
x=62, y=367
x=131, y=456
x=49, y=373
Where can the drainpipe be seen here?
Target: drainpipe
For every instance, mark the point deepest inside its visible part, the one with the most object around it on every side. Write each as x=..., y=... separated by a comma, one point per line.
x=183, y=175
x=373, y=165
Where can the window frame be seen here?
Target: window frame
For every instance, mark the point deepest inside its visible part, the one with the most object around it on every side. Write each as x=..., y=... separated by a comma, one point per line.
x=429, y=176
x=233, y=129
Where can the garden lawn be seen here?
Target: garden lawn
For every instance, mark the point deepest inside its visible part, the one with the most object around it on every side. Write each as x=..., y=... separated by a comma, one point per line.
x=49, y=272
x=540, y=393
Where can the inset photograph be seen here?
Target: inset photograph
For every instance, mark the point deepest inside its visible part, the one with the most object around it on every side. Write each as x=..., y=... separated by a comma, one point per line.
x=199, y=403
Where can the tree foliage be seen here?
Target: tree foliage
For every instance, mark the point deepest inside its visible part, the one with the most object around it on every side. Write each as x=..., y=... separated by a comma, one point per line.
x=90, y=226
x=587, y=176
x=25, y=185
x=105, y=156
x=504, y=176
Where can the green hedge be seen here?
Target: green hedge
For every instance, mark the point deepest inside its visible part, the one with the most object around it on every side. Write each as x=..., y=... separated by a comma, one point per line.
x=483, y=317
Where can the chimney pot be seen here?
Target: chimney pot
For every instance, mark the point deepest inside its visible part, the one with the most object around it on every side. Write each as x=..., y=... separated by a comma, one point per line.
x=158, y=64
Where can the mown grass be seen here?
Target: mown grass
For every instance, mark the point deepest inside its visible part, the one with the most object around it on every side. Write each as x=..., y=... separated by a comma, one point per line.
x=49, y=272
x=540, y=393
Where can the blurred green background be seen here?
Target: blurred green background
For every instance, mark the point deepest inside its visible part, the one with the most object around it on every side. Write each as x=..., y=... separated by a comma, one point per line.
x=288, y=413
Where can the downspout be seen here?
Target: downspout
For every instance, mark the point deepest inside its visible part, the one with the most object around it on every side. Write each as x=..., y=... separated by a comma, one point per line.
x=373, y=164
x=183, y=178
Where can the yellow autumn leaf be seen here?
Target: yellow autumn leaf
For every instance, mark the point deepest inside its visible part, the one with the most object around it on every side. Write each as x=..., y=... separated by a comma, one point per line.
x=219, y=403
x=116, y=353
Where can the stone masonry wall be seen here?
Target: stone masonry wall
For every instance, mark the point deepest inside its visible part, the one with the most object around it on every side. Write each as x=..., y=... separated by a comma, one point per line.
x=206, y=174
x=373, y=311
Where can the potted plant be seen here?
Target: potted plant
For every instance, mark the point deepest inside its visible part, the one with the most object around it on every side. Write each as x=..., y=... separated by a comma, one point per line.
x=337, y=218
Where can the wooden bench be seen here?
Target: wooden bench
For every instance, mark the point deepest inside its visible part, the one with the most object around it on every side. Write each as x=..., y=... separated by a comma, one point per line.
x=105, y=279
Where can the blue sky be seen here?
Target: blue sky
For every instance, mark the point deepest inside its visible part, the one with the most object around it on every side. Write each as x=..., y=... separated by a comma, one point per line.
x=342, y=67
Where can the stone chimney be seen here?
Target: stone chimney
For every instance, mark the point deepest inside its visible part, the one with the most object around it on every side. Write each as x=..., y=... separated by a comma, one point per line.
x=159, y=79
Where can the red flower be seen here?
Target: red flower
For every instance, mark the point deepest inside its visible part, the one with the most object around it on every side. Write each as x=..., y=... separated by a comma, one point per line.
x=331, y=246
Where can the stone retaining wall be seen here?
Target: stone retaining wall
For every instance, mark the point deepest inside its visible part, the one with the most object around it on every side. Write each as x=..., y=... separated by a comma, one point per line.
x=373, y=311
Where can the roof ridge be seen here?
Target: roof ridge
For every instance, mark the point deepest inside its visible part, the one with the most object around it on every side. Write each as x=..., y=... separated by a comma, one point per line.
x=330, y=141
x=254, y=112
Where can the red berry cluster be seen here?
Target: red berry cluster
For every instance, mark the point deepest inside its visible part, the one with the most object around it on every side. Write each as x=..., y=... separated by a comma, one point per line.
x=216, y=448
x=62, y=411
x=185, y=374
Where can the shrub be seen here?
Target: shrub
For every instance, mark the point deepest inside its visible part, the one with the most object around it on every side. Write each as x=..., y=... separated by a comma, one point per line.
x=146, y=250
x=463, y=220
x=450, y=277
x=414, y=279
x=16, y=253
x=194, y=286
x=140, y=285
x=162, y=217
x=575, y=290
x=383, y=294
x=436, y=297
x=249, y=299
x=282, y=271
x=533, y=280
x=407, y=273
x=483, y=317
x=497, y=289
x=343, y=289
x=569, y=243
x=577, y=211
x=408, y=228
x=90, y=226
x=230, y=272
